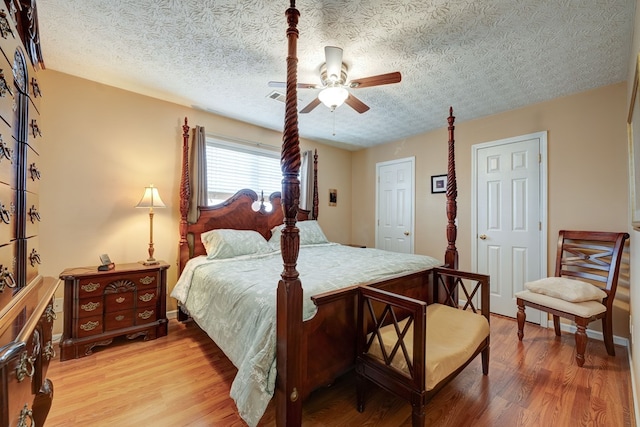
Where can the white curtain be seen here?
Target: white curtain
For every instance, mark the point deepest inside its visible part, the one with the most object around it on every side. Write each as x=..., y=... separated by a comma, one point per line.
x=198, y=173
x=306, y=181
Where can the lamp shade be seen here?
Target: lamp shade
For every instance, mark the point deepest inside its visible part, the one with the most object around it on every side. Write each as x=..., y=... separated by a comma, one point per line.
x=150, y=198
x=333, y=97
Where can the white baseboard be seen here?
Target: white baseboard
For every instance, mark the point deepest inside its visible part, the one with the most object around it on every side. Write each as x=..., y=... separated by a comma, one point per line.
x=596, y=335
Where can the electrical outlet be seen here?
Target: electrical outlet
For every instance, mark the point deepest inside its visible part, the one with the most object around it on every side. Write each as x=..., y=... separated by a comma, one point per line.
x=57, y=305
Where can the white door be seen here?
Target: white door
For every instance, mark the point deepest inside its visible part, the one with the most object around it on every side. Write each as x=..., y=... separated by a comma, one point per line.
x=510, y=225
x=394, y=205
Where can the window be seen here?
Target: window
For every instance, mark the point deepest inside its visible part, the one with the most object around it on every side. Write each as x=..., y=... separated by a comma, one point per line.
x=233, y=166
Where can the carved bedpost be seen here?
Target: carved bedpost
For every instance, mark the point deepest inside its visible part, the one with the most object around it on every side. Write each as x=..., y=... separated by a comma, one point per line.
x=185, y=193
x=315, y=185
x=451, y=254
x=289, y=296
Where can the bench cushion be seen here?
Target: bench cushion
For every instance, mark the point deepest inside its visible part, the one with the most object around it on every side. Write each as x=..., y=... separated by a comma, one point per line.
x=453, y=335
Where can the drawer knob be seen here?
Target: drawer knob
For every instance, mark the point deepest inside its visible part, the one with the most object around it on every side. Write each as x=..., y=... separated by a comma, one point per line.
x=35, y=88
x=35, y=129
x=147, y=280
x=5, y=214
x=120, y=300
x=4, y=89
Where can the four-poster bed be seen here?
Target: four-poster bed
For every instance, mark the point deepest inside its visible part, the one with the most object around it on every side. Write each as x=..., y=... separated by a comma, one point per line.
x=312, y=350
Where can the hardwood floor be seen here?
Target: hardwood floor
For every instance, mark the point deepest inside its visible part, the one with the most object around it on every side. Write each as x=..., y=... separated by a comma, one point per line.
x=183, y=379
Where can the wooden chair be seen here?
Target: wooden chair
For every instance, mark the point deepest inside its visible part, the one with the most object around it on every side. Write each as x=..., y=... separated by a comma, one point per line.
x=412, y=349
x=583, y=287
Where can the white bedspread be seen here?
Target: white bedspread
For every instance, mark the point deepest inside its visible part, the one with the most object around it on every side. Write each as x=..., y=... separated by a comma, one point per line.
x=234, y=301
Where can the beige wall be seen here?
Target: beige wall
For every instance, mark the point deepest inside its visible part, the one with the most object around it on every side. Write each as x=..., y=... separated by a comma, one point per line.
x=104, y=145
x=587, y=173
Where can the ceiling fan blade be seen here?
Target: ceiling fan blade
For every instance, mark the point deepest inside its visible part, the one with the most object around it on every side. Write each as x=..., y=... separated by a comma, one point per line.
x=382, y=79
x=313, y=104
x=333, y=59
x=356, y=104
x=300, y=85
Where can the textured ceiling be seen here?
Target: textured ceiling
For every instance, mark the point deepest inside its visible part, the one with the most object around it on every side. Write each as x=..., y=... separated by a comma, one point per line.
x=479, y=56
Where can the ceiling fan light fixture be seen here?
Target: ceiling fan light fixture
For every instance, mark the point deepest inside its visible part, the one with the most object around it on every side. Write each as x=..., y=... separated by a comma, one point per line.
x=333, y=97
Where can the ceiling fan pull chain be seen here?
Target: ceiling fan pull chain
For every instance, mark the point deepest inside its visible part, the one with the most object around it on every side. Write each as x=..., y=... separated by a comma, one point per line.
x=333, y=113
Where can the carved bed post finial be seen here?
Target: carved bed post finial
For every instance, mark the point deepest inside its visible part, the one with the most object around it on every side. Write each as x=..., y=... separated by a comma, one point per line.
x=185, y=191
x=315, y=185
x=451, y=254
x=289, y=295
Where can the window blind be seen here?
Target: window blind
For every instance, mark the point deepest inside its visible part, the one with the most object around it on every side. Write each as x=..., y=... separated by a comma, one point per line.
x=233, y=166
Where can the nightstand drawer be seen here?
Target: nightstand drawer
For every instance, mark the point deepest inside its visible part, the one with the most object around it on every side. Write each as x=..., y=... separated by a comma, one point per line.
x=118, y=320
x=145, y=280
x=89, y=326
x=89, y=307
x=119, y=301
x=91, y=287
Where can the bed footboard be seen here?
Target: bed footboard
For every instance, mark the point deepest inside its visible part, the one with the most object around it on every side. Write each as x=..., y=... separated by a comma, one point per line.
x=404, y=344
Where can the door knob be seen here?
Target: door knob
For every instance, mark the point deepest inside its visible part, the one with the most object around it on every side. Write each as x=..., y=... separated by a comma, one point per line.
x=406, y=233
x=483, y=237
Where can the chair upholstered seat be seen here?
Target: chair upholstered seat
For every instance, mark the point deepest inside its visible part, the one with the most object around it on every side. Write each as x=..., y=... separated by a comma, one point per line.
x=582, y=309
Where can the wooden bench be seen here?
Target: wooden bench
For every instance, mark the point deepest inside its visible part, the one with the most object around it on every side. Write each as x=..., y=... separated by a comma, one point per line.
x=413, y=349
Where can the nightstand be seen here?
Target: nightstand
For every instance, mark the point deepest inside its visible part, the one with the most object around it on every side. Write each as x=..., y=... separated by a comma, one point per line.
x=128, y=300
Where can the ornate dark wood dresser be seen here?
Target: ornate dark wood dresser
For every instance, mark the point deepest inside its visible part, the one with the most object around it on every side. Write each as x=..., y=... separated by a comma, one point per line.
x=26, y=298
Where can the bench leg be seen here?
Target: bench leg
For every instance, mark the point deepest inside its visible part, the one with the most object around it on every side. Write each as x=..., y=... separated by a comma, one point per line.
x=417, y=415
x=521, y=319
x=361, y=390
x=485, y=361
x=556, y=325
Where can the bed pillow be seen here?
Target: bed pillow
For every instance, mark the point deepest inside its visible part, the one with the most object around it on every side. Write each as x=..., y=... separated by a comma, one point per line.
x=566, y=289
x=227, y=243
x=310, y=234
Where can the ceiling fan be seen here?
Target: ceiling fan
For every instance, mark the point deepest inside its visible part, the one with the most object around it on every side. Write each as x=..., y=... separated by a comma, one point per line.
x=333, y=74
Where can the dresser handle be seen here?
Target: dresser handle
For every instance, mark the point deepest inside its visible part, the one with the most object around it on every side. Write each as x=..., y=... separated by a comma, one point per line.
x=34, y=258
x=5, y=215
x=34, y=172
x=25, y=367
x=35, y=88
x=145, y=314
x=146, y=280
x=120, y=300
x=50, y=313
x=90, y=306
x=5, y=27
x=89, y=326
x=4, y=89
x=6, y=279
x=90, y=287
x=119, y=317
x=35, y=129
x=24, y=414
x=5, y=151
x=49, y=351
x=146, y=297
x=34, y=215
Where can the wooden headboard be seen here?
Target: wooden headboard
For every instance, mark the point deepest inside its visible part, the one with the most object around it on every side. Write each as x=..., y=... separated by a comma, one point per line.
x=234, y=213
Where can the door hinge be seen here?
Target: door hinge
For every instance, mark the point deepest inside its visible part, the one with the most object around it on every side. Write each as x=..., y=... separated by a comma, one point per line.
x=539, y=157
x=539, y=225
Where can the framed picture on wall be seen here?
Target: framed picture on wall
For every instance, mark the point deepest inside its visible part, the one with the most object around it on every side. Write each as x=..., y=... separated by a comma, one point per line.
x=439, y=183
x=633, y=131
